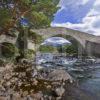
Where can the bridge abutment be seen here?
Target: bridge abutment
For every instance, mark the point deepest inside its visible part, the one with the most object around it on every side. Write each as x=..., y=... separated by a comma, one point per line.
x=93, y=49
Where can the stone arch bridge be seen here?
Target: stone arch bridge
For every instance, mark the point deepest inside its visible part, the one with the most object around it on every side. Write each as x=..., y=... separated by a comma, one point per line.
x=90, y=43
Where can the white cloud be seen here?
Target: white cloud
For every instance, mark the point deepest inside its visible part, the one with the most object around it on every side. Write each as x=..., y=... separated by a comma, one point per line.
x=90, y=23
x=55, y=41
x=71, y=2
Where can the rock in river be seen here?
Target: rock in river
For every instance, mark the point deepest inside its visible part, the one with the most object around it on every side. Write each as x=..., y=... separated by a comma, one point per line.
x=59, y=75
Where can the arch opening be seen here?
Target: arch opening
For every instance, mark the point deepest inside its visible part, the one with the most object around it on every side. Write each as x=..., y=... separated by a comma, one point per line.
x=75, y=46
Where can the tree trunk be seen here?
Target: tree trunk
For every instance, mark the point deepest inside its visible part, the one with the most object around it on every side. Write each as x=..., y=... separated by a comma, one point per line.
x=22, y=41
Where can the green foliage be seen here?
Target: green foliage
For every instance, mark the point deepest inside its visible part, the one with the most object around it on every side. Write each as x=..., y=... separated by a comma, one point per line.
x=39, y=13
x=13, y=33
x=39, y=20
x=5, y=16
x=8, y=50
x=42, y=13
x=29, y=54
x=26, y=2
x=35, y=37
x=61, y=49
x=48, y=49
x=69, y=49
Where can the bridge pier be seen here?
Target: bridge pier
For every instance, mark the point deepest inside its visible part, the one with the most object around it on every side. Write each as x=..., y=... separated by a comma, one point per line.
x=80, y=51
x=93, y=49
x=89, y=49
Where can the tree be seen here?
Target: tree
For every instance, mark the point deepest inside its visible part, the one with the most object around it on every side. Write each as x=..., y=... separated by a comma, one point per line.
x=47, y=49
x=22, y=15
x=68, y=49
x=38, y=12
x=8, y=50
x=71, y=50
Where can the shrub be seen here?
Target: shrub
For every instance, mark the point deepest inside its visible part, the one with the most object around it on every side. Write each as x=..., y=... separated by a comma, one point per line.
x=29, y=53
x=8, y=50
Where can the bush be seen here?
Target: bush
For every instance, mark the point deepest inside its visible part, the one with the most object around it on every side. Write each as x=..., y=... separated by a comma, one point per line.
x=35, y=37
x=46, y=49
x=2, y=62
x=29, y=53
x=8, y=50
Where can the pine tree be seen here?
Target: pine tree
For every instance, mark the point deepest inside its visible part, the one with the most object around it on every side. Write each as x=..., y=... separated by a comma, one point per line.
x=21, y=15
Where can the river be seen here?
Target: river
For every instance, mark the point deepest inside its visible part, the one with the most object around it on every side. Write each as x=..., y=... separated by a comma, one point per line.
x=92, y=84
x=88, y=78
x=88, y=84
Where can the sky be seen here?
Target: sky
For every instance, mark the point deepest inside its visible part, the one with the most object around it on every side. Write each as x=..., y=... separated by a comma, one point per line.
x=56, y=41
x=82, y=15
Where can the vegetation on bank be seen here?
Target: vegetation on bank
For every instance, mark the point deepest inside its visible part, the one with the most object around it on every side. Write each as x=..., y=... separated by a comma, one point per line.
x=68, y=49
x=8, y=50
x=36, y=38
x=47, y=49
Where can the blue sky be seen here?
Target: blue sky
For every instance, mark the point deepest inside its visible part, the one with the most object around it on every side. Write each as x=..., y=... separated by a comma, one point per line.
x=82, y=15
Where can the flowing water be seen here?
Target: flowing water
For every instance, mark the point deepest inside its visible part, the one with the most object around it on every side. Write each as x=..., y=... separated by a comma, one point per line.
x=88, y=77
x=88, y=84
x=92, y=84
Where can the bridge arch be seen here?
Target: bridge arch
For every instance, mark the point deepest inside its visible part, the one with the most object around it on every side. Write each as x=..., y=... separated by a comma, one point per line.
x=71, y=35
x=77, y=46
x=50, y=32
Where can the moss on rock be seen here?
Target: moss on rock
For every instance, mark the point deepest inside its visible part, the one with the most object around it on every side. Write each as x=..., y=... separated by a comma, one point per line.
x=8, y=50
x=29, y=54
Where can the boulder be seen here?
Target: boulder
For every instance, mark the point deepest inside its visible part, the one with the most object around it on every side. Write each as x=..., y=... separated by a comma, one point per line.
x=60, y=75
x=60, y=91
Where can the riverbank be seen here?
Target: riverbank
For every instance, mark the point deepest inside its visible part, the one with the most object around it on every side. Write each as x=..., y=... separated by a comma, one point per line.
x=23, y=81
